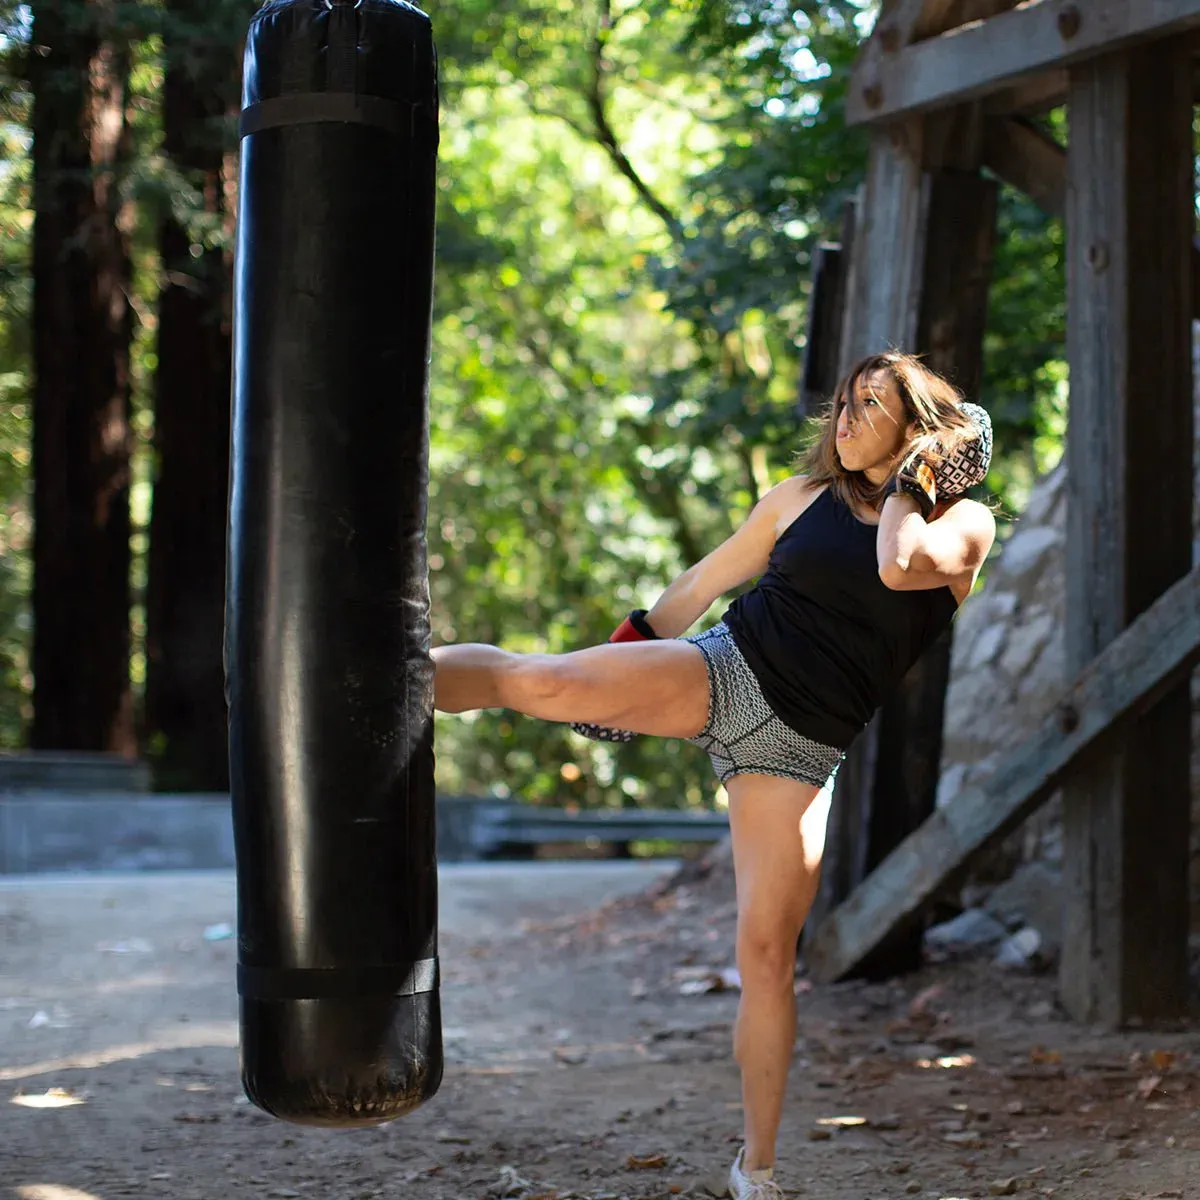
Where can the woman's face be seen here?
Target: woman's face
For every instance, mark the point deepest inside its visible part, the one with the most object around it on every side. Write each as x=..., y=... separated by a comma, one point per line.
x=871, y=442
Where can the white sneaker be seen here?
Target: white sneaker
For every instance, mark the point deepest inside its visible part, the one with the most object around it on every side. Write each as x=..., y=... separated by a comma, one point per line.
x=757, y=1185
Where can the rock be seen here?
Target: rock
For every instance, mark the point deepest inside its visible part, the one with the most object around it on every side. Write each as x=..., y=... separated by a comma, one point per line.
x=1026, y=643
x=1021, y=950
x=1026, y=549
x=1008, y=664
x=1033, y=896
x=975, y=929
x=1047, y=496
x=987, y=646
x=950, y=784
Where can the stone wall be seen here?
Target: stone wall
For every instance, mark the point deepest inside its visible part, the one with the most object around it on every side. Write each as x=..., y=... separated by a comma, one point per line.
x=1008, y=664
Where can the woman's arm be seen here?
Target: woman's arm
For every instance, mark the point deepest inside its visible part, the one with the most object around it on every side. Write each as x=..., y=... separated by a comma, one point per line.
x=741, y=557
x=915, y=554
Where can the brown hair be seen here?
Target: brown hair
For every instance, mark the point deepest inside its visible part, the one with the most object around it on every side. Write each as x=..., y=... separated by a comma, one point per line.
x=931, y=404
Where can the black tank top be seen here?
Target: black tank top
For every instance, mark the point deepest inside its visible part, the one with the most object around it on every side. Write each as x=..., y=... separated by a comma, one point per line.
x=825, y=637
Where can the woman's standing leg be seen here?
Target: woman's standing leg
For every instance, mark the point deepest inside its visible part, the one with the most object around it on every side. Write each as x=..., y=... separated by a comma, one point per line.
x=778, y=831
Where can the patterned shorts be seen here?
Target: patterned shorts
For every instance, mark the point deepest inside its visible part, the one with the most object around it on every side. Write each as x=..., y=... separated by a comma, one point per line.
x=743, y=735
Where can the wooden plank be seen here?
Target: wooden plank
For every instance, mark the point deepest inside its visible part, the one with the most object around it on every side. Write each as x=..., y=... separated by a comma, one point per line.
x=1028, y=158
x=1031, y=97
x=929, y=293
x=901, y=22
x=1128, y=678
x=826, y=318
x=890, y=240
x=957, y=276
x=826, y=313
x=1130, y=222
x=881, y=310
x=981, y=58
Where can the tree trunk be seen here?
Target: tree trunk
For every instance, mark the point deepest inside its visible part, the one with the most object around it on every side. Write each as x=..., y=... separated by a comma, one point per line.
x=81, y=394
x=185, y=716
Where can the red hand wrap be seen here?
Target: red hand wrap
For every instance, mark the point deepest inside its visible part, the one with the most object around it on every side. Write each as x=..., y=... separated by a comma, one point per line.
x=634, y=628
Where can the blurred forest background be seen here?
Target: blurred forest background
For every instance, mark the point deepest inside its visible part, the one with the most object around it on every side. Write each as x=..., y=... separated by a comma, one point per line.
x=630, y=192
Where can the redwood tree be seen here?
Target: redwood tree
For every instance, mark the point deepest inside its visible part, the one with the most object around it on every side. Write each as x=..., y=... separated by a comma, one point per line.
x=82, y=322
x=185, y=720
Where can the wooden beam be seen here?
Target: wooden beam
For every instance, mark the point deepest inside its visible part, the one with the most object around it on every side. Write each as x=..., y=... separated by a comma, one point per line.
x=902, y=22
x=1030, y=98
x=981, y=58
x=1130, y=439
x=889, y=246
x=826, y=318
x=1029, y=159
x=928, y=225
x=1149, y=659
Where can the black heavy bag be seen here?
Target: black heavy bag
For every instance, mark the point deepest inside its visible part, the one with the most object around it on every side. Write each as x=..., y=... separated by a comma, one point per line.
x=328, y=673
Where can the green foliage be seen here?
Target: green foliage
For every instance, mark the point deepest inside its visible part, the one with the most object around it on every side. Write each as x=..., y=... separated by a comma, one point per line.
x=16, y=500
x=1025, y=370
x=629, y=195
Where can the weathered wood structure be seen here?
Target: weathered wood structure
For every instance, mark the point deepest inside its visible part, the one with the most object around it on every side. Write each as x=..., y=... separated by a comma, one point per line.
x=951, y=91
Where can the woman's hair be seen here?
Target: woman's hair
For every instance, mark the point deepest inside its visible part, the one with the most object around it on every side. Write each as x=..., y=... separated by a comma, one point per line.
x=932, y=405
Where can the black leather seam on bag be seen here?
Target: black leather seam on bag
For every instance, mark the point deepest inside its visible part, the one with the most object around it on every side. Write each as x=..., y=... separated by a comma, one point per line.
x=313, y=107
x=326, y=983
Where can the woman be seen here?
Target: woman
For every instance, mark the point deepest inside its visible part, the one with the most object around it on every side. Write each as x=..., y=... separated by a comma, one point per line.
x=862, y=566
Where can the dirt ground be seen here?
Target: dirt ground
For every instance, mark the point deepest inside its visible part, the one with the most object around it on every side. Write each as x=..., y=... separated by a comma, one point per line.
x=584, y=1061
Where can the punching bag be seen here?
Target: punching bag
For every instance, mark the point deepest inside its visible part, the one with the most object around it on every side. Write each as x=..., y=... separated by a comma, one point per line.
x=329, y=679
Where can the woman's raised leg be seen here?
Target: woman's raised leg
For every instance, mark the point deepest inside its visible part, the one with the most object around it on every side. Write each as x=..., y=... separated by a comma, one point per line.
x=778, y=831
x=655, y=687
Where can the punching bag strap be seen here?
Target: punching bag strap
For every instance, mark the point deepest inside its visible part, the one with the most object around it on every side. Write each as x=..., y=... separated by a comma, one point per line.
x=311, y=107
x=337, y=983
x=340, y=101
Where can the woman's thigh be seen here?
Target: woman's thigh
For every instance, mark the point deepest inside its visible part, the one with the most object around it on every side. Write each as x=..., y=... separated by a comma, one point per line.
x=778, y=832
x=659, y=688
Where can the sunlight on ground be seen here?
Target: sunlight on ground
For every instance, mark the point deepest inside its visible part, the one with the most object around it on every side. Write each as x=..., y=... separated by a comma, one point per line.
x=51, y=1191
x=220, y=1034
x=947, y=1063
x=54, y=1098
x=842, y=1122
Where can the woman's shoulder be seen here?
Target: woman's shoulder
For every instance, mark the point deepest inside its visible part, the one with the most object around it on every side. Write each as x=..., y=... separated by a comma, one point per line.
x=971, y=519
x=792, y=497
x=963, y=508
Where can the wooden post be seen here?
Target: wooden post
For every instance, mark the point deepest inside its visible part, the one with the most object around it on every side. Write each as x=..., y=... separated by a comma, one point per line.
x=826, y=318
x=927, y=230
x=1130, y=221
x=880, y=311
x=1126, y=680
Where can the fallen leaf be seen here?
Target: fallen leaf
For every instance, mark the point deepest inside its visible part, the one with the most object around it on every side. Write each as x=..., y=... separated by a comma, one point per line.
x=922, y=1000
x=649, y=1162
x=1148, y=1086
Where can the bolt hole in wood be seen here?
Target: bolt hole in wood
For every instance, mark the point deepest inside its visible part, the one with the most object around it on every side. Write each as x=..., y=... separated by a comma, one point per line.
x=1069, y=22
x=1097, y=257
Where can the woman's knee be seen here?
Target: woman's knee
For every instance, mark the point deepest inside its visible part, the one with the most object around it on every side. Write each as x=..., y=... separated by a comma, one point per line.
x=766, y=949
x=536, y=681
